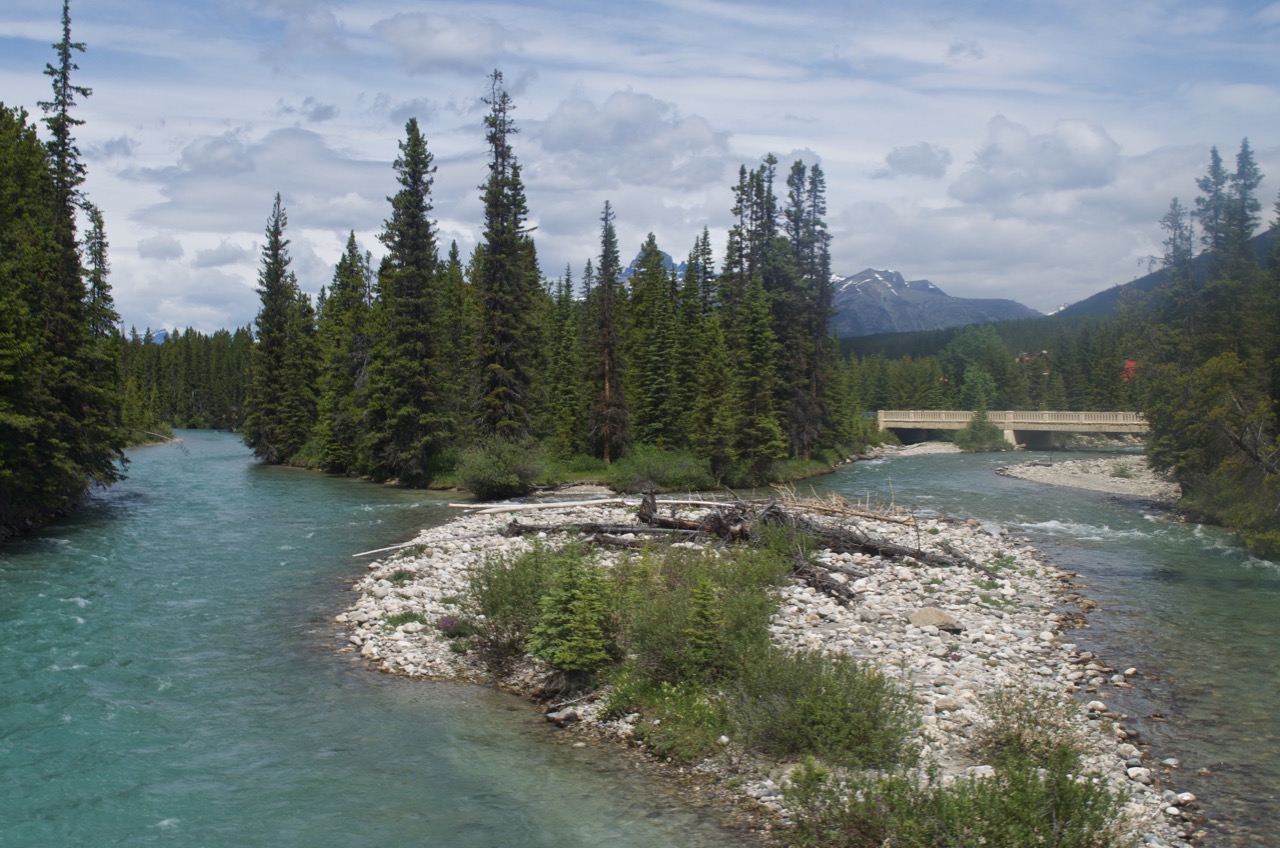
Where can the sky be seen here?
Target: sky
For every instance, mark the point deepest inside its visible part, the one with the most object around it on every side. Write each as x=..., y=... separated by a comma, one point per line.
x=1020, y=150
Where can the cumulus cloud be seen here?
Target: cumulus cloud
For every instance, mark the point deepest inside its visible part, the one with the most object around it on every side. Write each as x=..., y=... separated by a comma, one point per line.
x=225, y=253
x=307, y=24
x=631, y=139
x=429, y=42
x=917, y=160
x=1014, y=162
x=160, y=247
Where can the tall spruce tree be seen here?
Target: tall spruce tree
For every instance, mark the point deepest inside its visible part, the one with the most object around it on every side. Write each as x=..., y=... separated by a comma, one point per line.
x=507, y=284
x=408, y=419
x=344, y=337
x=606, y=381
x=651, y=347
x=277, y=403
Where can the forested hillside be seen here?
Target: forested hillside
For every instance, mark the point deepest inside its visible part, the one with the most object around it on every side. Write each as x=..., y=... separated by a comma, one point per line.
x=60, y=432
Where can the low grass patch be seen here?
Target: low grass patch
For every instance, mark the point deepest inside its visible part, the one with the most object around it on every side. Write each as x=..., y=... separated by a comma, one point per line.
x=391, y=622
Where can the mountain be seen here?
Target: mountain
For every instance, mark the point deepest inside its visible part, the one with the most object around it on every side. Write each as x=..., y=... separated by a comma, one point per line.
x=873, y=302
x=1106, y=303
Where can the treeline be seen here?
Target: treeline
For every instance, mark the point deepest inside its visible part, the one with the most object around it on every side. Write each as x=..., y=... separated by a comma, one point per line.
x=1210, y=376
x=189, y=379
x=1037, y=364
x=60, y=430
x=395, y=372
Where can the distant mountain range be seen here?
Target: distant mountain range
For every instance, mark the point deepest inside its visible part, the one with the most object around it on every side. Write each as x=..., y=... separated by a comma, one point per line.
x=873, y=302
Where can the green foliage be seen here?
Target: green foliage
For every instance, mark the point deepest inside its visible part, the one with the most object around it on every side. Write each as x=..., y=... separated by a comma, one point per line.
x=498, y=468
x=506, y=594
x=1028, y=729
x=981, y=435
x=391, y=622
x=1022, y=806
x=575, y=631
x=690, y=616
x=647, y=468
x=834, y=707
x=682, y=721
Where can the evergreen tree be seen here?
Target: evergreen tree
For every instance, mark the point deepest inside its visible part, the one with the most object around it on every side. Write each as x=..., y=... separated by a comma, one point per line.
x=610, y=414
x=345, y=343
x=276, y=407
x=753, y=351
x=568, y=416
x=407, y=417
x=651, y=332
x=507, y=284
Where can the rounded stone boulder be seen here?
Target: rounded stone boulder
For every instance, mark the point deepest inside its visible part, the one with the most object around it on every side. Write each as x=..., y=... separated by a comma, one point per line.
x=934, y=617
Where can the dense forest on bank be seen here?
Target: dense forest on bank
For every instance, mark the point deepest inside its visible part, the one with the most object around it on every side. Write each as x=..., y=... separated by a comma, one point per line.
x=60, y=429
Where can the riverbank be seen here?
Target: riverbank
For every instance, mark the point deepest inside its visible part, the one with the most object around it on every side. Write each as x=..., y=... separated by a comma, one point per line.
x=951, y=635
x=1127, y=475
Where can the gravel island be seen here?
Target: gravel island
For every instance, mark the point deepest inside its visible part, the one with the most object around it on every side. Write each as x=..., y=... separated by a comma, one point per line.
x=950, y=635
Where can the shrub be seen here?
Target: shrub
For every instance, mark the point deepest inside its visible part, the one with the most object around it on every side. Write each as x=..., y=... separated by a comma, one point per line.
x=1028, y=729
x=833, y=707
x=909, y=810
x=575, y=631
x=456, y=627
x=694, y=616
x=981, y=435
x=646, y=467
x=506, y=594
x=499, y=469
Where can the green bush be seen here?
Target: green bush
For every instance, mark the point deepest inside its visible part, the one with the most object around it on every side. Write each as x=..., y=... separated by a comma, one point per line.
x=1018, y=807
x=981, y=436
x=575, y=631
x=691, y=615
x=646, y=468
x=789, y=705
x=1029, y=728
x=499, y=469
x=506, y=593
x=391, y=622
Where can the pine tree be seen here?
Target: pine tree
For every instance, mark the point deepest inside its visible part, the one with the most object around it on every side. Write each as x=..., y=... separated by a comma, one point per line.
x=507, y=284
x=408, y=418
x=753, y=353
x=610, y=414
x=564, y=377
x=651, y=344
x=344, y=341
x=273, y=405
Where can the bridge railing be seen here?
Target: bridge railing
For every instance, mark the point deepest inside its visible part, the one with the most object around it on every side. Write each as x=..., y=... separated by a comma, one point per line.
x=955, y=419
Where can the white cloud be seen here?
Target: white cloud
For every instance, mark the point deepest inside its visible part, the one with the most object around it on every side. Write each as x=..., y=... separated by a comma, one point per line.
x=919, y=160
x=632, y=139
x=225, y=253
x=160, y=247
x=428, y=43
x=1013, y=162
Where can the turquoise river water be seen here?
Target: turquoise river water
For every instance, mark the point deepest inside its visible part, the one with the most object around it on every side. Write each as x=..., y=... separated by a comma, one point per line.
x=168, y=672
x=168, y=677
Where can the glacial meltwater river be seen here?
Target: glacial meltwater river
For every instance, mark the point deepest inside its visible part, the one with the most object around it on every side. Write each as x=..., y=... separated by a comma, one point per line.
x=169, y=673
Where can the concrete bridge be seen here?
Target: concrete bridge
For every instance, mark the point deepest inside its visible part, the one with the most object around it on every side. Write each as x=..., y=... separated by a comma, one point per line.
x=1029, y=427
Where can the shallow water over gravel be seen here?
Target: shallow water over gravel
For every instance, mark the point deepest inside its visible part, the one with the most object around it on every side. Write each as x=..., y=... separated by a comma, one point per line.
x=1184, y=604
x=168, y=676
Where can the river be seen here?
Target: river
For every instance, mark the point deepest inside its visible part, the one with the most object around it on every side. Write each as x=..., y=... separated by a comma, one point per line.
x=168, y=672
x=168, y=677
